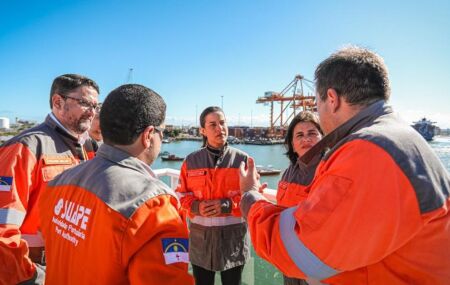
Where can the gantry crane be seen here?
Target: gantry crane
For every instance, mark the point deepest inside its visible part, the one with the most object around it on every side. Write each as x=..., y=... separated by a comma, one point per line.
x=298, y=101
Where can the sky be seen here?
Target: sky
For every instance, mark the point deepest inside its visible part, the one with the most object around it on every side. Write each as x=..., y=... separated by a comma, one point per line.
x=201, y=53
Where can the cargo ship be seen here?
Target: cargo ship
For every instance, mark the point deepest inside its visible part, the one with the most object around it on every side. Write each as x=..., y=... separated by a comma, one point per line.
x=426, y=128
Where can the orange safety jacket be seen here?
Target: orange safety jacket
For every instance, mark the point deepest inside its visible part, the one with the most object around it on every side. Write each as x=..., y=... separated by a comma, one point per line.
x=293, y=186
x=111, y=221
x=202, y=178
x=377, y=211
x=27, y=162
x=209, y=174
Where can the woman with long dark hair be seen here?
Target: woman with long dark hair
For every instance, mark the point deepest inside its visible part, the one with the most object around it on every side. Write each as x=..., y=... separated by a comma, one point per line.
x=303, y=133
x=210, y=196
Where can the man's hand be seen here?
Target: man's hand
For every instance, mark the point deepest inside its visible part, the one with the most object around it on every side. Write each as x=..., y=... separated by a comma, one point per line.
x=249, y=178
x=210, y=208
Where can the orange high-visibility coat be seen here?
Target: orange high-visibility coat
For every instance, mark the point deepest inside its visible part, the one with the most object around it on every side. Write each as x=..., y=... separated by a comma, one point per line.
x=27, y=162
x=377, y=211
x=209, y=174
x=111, y=221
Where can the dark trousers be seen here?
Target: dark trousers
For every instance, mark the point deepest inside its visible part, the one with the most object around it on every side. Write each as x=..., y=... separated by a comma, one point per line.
x=231, y=276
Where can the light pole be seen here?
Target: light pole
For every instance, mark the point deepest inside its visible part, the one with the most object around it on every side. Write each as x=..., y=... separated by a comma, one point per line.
x=196, y=117
x=222, y=101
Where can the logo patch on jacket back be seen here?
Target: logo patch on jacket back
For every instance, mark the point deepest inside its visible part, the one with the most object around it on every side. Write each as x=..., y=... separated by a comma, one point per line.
x=5, y=183
x=175, y=250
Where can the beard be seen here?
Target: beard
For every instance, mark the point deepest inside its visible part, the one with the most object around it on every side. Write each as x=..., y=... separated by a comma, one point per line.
x=78, y=124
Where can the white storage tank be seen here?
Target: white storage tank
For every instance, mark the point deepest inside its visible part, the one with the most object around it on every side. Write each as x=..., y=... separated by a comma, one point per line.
x=4, y=123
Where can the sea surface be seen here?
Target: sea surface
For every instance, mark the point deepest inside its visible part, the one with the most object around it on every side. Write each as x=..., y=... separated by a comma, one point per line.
x=274, y=155
x=258, y=271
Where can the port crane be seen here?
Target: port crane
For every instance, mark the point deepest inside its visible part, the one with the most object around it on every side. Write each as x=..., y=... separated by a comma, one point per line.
x=293, y=97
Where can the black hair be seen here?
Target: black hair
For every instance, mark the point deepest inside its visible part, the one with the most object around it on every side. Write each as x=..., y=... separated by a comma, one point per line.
x=357, y=74
x=302, y=117
x=67, y=83
x=127, y=111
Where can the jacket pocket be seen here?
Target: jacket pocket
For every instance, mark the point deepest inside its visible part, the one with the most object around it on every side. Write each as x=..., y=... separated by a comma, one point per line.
x=235, y=245
x=196, y=182
x=199, y=247
x=51, y=171
x=322, y=201
x=53, y=165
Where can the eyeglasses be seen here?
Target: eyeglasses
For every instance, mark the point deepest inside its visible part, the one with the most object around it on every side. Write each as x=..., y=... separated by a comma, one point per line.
x=83, y=103
x=160, y=131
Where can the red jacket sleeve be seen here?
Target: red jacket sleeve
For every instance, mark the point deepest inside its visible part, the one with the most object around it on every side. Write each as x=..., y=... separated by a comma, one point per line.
x=186, y=196
x=17, y=164
x=163, y=257
x=341, y=225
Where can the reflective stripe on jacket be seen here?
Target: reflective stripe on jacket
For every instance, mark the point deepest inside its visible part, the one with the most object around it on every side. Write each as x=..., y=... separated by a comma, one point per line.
x=110, y=221
x=292, y=189
x=27, y=162
x=216, y=243
x=377, y=212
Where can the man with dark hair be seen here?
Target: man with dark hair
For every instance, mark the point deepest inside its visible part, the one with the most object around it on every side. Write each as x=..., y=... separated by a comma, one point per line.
x=377, y=209
x=110, y=220
x=31, y=159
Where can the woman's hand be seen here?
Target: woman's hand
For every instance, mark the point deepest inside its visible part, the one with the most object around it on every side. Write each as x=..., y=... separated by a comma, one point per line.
x=210, y=208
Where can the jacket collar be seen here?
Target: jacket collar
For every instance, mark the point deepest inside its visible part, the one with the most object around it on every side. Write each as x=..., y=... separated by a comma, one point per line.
x=360, y=120
x=54, y=124
x=124, y=159
x=217, y=151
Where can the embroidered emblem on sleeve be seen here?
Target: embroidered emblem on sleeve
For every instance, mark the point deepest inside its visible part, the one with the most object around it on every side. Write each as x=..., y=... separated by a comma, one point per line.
x=5, y=183
x=175, y=250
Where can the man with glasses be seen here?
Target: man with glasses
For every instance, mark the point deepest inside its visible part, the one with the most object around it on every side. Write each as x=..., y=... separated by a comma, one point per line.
x=31, y=159
x=124, y=226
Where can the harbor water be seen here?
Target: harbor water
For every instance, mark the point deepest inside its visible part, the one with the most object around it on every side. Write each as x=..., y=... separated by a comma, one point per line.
x=257, y=271
x=274, y=155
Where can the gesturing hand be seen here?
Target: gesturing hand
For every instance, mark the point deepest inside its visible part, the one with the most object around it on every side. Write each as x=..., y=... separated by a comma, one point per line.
x=248, y=178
